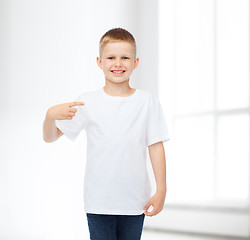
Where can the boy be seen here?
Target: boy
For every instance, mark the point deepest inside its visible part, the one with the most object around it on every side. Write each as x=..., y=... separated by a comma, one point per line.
x=120, y=123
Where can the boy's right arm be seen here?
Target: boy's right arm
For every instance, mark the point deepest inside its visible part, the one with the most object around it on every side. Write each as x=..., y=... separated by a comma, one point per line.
x=63, y=111
x=50, y=132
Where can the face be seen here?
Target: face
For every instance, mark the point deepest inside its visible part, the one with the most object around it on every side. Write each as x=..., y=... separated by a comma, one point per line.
x=117, y=61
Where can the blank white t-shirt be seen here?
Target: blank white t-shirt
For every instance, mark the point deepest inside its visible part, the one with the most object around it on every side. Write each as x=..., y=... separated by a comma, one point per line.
x=118, y=130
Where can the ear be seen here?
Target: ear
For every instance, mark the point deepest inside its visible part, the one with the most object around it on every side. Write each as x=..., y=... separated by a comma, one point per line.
x=99, y=62
x=136, y=62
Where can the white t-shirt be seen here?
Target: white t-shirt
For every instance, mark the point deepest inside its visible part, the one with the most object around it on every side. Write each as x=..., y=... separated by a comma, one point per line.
x=119, y=130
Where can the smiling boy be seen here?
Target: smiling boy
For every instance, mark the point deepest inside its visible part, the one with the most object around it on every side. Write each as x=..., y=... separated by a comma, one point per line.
x=120, y=123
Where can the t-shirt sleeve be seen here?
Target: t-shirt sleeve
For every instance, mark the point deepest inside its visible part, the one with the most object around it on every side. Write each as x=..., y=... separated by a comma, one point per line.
x=157, y=129
x=72, y=127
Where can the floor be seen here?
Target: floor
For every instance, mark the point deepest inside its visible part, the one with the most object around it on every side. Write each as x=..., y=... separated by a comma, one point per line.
x=156, y=235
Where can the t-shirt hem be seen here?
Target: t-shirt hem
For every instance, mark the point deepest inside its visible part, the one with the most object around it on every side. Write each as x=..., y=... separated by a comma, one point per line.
x=114, y=212
x=158, y=139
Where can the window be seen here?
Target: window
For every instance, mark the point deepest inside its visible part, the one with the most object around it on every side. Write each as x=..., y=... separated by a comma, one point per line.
x=204, y=90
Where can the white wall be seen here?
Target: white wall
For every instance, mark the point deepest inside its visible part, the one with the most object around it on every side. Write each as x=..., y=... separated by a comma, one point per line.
x=48, y=56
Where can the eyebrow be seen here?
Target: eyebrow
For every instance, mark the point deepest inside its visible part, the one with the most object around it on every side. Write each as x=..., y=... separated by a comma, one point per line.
x=112, y=55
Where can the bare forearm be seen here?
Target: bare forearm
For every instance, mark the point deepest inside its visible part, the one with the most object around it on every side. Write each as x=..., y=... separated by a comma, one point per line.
x=50, y=131
x=157, y=157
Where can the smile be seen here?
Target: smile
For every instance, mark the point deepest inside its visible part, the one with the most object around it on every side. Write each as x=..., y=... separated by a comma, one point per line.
x=117, y=73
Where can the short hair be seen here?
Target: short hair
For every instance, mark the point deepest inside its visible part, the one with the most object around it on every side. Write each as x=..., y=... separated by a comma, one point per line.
x=117, y=35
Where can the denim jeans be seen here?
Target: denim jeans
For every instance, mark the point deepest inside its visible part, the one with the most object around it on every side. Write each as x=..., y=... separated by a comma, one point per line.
x=115, y=227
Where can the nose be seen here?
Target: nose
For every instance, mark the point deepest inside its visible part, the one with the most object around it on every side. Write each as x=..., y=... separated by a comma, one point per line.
x=117, y=62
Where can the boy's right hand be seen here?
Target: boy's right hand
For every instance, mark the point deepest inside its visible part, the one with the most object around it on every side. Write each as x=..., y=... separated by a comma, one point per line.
x=64, y=111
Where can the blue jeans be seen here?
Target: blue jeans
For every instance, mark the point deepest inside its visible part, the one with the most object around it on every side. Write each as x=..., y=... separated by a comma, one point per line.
x=115, y=227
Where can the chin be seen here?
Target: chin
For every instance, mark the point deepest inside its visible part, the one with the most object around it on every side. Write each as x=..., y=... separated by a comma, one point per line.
x=118, y=80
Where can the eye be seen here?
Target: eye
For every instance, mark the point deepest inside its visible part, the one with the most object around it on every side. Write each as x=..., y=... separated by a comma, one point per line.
x=110, y=57
x=126, y=57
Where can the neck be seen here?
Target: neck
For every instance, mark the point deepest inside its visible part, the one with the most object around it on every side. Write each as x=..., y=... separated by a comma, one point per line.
x=118, y=89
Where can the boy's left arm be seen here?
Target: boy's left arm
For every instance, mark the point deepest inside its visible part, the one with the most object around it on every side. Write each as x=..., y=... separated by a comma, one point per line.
x=157, y=157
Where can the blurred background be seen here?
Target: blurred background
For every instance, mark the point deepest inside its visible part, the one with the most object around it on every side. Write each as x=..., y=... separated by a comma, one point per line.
x=194, y=55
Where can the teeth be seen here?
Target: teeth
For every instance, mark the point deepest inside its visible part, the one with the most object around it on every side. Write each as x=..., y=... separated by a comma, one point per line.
x=118, y=71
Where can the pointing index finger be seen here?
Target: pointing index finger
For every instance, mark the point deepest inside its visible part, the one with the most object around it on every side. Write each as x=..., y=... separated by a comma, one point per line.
x=72, y=104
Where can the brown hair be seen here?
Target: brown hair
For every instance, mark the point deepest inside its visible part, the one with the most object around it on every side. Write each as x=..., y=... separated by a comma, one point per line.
x=116, y=35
